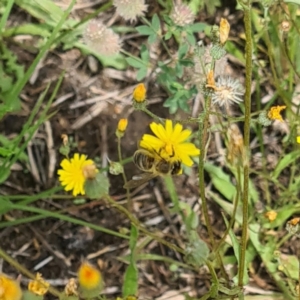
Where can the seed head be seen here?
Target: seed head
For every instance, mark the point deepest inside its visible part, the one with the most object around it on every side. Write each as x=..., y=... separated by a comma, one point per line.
x=182, y=15
x=101, y=39
x=227, y=90
x=130, y=9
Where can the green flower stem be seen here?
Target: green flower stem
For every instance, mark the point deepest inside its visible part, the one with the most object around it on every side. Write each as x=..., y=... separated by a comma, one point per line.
x=24, y=271
x=152, y=115
x=155, y=235
x=160, y=37
x=5, y=16
x=129, y=204
x=56, y=215
x=203, y=137
x=173, y=195
x=248, y=81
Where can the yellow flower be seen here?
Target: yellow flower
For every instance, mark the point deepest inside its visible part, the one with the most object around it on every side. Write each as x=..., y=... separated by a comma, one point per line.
x=122, y=125
x=170, y=142
x=271, y=215
x=139, y=93
x=38, y=286
x=298, y=139
x=274, y=112
x=74, y=173
x=89, y=277
x=9, y=289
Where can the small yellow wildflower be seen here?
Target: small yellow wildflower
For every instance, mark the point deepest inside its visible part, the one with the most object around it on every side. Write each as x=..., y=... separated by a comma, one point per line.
x=122, y=125
x=74, y=173
x=89, y=277
x=274, y=112
x=271, y=215
x=139, y=93
x=298, y=139
x=38, y=286
x=9, y=289
x=170, y=142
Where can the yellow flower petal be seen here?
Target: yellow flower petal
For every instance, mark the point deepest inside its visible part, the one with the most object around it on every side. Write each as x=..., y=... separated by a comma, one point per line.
x=9, y=289
x=72, y=175
x=169, y=142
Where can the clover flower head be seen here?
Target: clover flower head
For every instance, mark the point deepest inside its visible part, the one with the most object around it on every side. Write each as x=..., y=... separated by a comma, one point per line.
x=274, y=112
x=101, y=39
x=9, y=289
x=170, y=142
x=227, y=91
x=182, y=15
x=130, y=9
x=38, y=286
x=89, y=277
x=75, y=172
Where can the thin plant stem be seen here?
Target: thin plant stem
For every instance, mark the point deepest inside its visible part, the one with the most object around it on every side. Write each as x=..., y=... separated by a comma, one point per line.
x=24, y=271
x=5, y=15
x=248, y=81
x=155, y=235
x=129, y=204
x=203, y=136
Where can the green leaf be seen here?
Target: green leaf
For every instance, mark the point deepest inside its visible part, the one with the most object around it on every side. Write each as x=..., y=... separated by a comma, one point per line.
x=97, y=187
x=144, y=29
x=284, y=162
x=197, y=27
x=136, y=63
x=152, y=38
x=131, y=277
x=183, y=49
x=292, y=1
x=145, y=54
x=130, y=286
x=155, y=23
x=141, y=74
x=133, y=238
x=221, y=181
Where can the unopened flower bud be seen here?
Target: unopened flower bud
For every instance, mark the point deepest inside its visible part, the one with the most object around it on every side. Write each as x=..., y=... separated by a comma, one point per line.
x=122, y=125
x=139, y=93
x=271, y=215
x=115, y=168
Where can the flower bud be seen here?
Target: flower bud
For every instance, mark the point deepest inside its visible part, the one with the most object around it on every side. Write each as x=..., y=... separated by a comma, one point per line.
x=139, y=93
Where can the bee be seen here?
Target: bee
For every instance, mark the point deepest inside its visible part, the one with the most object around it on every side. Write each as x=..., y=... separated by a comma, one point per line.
x=153, y=165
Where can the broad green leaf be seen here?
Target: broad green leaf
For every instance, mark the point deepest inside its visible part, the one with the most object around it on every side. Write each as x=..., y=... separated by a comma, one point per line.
x=284, y=162
x=97, y=187
x=136, y=63
x=197, y=27
x=131, y=277
x=145, y=54
x=221, y=181
x=290, y=264
x=144, y=29
x=155, y=23
x=141, y=74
